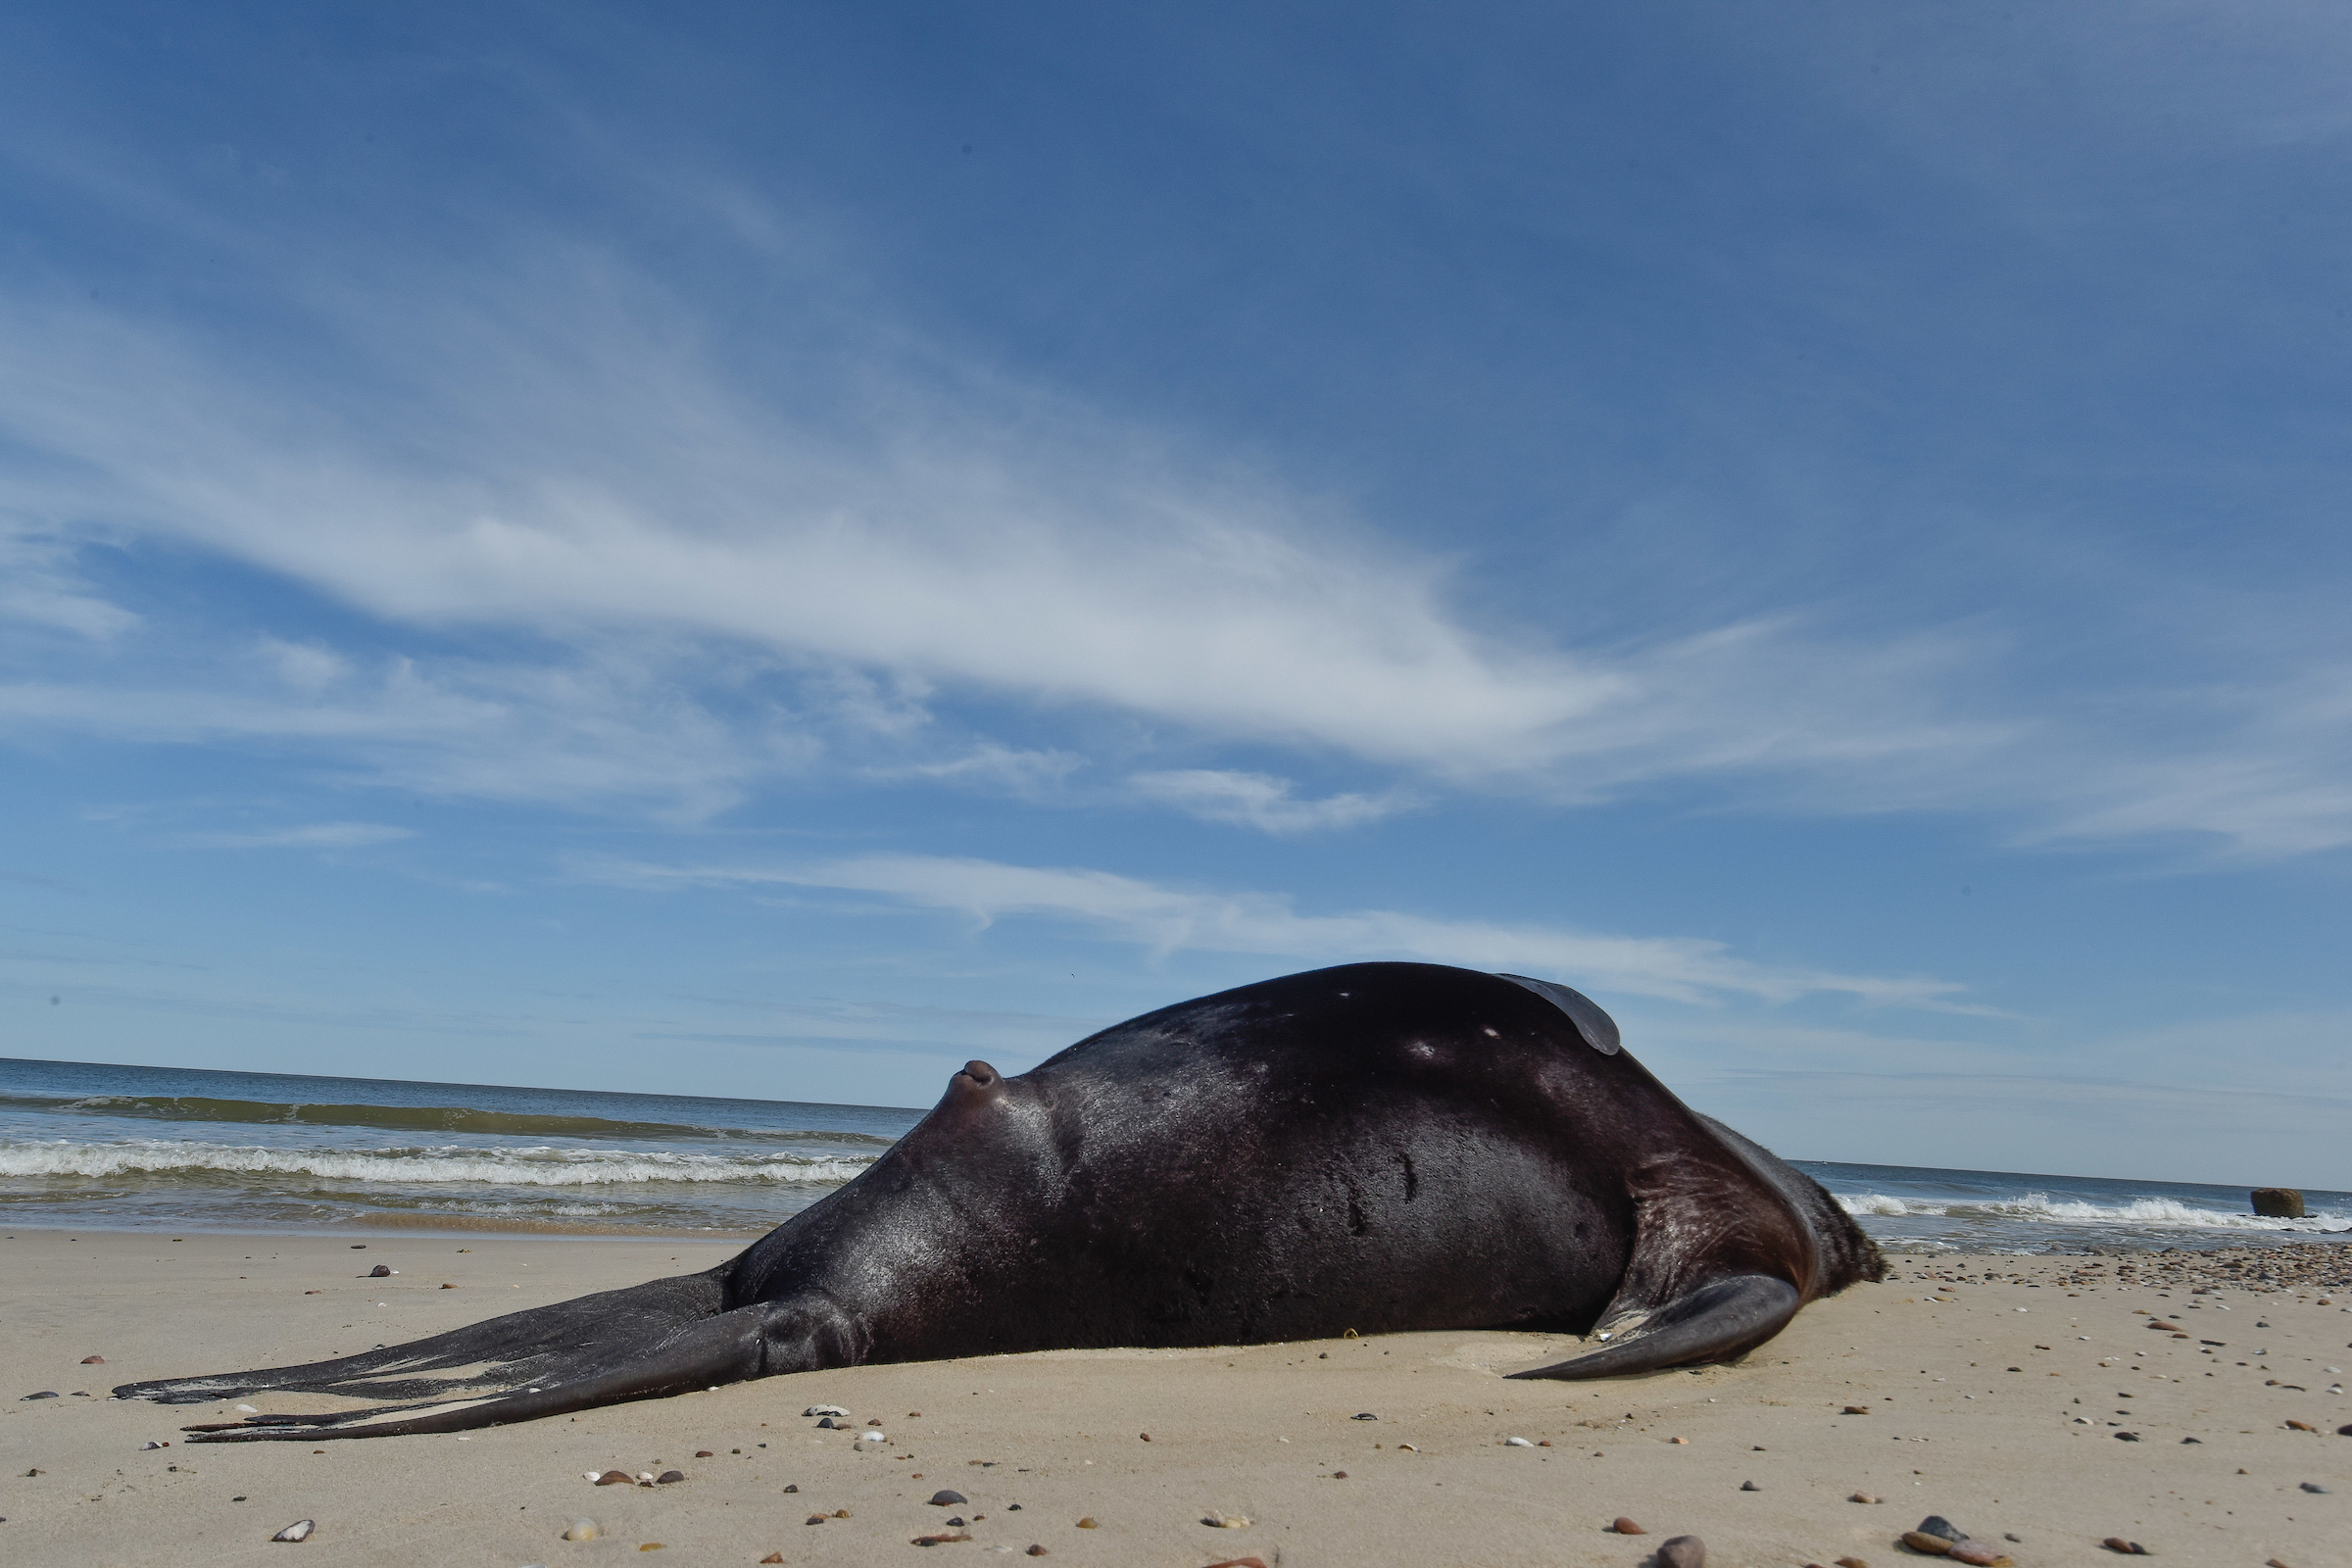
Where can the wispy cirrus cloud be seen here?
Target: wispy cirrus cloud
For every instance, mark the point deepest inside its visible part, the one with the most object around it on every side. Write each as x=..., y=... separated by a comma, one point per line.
x=1169, y=919
x=1260, y=801
x=308, y=836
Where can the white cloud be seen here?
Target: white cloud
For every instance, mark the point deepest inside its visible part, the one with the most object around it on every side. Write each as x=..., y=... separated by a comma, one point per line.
x=1170, y=920
x=313, y=835
x=1258, y=801
x=39, y=587
x=546, y=451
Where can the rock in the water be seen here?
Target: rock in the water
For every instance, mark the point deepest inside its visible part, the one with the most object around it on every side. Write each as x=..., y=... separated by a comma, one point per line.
x=1933, y=1545
x=947, y=1500
x=582, y=1530
x=1626, y=1527
x=299, y=1530
x=1936, y=1523
x=2278, y=1203
x=1682, y=1551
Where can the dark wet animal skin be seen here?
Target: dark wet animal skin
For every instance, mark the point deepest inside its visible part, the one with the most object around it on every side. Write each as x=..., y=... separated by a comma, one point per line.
x=1381, y=1146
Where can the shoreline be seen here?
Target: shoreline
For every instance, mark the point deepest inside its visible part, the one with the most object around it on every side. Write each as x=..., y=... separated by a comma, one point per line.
x=1970, y=1368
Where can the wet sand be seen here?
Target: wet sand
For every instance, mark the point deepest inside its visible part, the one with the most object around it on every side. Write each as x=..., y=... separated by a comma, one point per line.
x=1995, y=1401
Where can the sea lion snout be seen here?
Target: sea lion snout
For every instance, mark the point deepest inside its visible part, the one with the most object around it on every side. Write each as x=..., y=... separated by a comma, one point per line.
x=979, y=1072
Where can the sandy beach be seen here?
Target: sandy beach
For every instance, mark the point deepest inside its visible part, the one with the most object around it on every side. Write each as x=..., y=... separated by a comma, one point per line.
x=1998, y=1391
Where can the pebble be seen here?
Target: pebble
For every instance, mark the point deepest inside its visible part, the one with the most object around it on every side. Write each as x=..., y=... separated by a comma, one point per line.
x=1363, y=1415
x=795, y=1486
x=380, y=1272
x=1087, y=1523
x=1936, y=1523
x=1036, y=1550
x=299, y=1530
x=824, y=1409
x=1626, y=1527
x=1921, y=1541
x=1517, y=1443
x=670, y=1478
x=816, y=1519
x=1682, y=1551
x=2127, y=1436
x=1145, y=1436
x=948, y=1500
x=152, y=1442
x=827, y=1423
x=1857, y=1409
x=872, y=1436
x=45, y=1394
x=941, y=1540
x=2128, y=1548
x=1979, y=1553
x=614, y=1478
x=1862, y=1496
x=706, y=1453
x=582, y=1530
x=2314, y=1485
x=1226, y=1521
x=1749, y=1486
x=93, y=1360
x=773, y=1556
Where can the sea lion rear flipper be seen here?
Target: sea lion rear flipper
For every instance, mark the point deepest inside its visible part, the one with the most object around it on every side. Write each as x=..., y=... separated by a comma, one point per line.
x=535, y=1347
x=1715, y=1322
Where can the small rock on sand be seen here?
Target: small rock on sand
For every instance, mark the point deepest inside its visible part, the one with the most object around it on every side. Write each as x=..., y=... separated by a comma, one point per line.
x=616, y=1478
x=582, y=1530
x=948, y=1500
x=380, y=1272
x=668, y=1478
x=2127, y=1548
x=824, y=1409
x=93, y=1360
x=299, y=1530
x=1682, y=1551
x=1862, y=1496
x=1936, y=1523
x=1036, y=1550
x=1857, y=1409
x=1979, y=1553
x=1087, y=1523
x=1920, y=1540
x=2314, y=1485
x=773, y=1556
x=1749, y=1486
x=1226, y=1521
x=1626, y=1527
x=703, y=1453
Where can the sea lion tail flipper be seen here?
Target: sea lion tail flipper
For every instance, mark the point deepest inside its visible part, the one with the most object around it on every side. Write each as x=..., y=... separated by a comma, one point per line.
x=1714, y=1322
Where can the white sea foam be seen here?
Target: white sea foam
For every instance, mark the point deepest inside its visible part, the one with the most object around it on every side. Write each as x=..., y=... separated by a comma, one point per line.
x=2162, y=1213
x=505, y=1167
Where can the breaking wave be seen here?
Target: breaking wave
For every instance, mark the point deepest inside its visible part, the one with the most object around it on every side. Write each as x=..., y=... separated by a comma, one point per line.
x=2161, y=1213
x=496, y=1166
x=401, y=1118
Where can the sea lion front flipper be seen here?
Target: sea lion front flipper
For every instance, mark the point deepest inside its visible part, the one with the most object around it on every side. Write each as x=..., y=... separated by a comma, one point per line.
x=1712, y=1323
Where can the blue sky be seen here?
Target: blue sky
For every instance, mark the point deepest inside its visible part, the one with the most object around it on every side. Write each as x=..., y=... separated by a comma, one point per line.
x=767, y=550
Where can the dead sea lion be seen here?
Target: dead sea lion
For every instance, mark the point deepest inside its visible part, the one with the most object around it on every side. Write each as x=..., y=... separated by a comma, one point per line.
x=1380, y=1146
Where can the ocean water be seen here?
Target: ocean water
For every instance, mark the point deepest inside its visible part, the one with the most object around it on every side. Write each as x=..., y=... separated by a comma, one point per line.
x=179, y=1148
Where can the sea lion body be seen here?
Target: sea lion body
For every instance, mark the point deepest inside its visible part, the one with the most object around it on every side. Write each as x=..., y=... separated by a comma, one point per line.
x=1377, y=1147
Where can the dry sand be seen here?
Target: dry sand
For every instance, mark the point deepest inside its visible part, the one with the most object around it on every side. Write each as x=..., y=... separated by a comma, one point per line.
x=1977, y=1395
